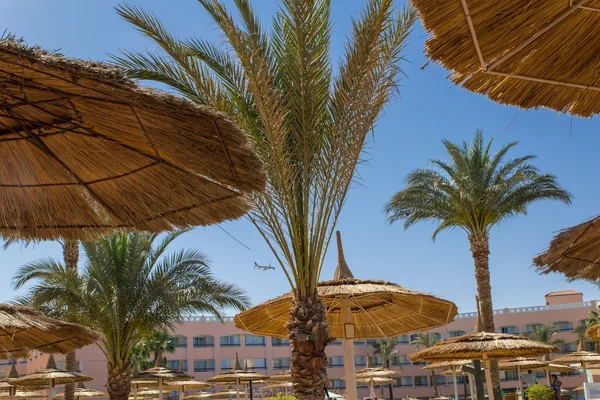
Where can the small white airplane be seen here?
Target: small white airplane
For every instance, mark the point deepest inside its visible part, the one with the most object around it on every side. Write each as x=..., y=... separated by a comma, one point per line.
x=263, y=267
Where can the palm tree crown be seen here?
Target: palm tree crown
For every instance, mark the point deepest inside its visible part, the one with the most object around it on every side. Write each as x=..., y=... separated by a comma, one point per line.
x=475, y=190
x=127, y=288
x=545, y=334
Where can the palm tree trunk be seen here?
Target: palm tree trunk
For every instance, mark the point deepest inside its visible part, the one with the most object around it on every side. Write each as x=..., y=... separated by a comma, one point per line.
x=480, y=250
x=434, y=384
x=118, y=383
x=71, y=258
x=308, y=337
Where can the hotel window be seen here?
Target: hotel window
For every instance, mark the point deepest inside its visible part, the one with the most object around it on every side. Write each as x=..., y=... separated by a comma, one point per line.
x=460, y=379
x=281, y=363
x=456, y=333
x=421, y=381
x=403, y=339
x=413, y=337
x=257, y=363
x=510, y=330
x=254, y=341
x=230, y=341
x=360, y=361
x=175, y=364
x=377, y=360
x=400, y=359
x=564, y=326
x=440, y=380
x=227, y=363
x=335, y=362
x=404, y=381
x=437, y=336
x=204, y=365
x=531, y=327
x=583, y=322
x=179, y=341
x=359, y=342
x=567, y=347
x=509, y=376
x=335, y=343
x=277, y=342
x=204, y=341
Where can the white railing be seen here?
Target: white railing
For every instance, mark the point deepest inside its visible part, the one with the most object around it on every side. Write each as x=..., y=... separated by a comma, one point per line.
x=519, y=310
x=203, y=318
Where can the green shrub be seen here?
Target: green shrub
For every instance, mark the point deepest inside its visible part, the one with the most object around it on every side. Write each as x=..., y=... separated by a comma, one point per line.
x=539, y=392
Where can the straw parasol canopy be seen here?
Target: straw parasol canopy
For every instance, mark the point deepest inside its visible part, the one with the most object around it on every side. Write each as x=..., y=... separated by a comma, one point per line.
x=25, y=329
x=447, y=364
x=161, y=374
x=522, y=363
x=147, y=392
x=574, y=252
x=369, y=372
x=473, y=346
x=283, y=376
x=522, y=53
x=577, y=389
x=238, y=375
x=49, y=376
x=224, y=394
x=552, y=367
x=82, y=392
x=378, y=308
x=451, y=372
x=374, y=381
x=85, y=151
x=578, y=357
x=278, y=385
x=181, y=385
x=24, y=394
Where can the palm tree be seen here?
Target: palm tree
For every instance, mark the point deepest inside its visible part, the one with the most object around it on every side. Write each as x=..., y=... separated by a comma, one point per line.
x=387, y=348
x=158, y=342
x=128, y=287
x=308, y=124
x=544, y=334
x=428, y=340
x=474, y=191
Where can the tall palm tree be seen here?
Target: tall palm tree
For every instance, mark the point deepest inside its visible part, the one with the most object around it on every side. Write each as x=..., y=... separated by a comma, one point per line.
x=128, y=287
x=474, y=191
x=387, y=348
x=545, y=334
x=428, y=340
x=308, y=124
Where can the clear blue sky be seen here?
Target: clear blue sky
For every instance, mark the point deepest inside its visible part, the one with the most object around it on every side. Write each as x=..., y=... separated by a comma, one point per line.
x=408, y=135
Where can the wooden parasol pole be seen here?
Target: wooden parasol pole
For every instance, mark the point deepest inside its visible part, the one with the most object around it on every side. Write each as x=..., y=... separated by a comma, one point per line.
x=455, y=386
x=349, y=368
x=520, y=383
x=488, y=376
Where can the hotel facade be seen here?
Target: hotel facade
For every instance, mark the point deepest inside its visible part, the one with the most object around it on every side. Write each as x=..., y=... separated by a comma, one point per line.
x=205, y=346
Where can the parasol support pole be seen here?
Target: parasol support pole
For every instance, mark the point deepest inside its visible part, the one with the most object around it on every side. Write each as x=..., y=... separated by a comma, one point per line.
x=349, y=367
x=488, y=376
x=371, y=387
x=548, y=377
x=455, y=385
x=585, y=372
x=520, y=383
x=181, y=392
x=471, y=385
x=251, y=395
x=160, y=389
x=237, y=388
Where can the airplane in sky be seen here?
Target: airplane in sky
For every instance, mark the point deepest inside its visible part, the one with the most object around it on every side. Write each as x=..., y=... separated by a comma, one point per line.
x=263, y=267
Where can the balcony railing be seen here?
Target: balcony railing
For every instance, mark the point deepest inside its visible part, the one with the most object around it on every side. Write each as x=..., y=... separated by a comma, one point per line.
x=255, y=344
x=280, y=367
x=230, y=345
x=204, y=345
x=520, y=310
x=336, y=365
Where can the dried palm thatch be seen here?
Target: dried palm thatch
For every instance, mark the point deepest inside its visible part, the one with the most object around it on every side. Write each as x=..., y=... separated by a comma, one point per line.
x=145, y=391
x=25, y=329
x=25, y=394
x=552, y=367
x=237, y=377
x=161, y=373
x=85, y=151
x=522, y=53
x=374, y=381
x=447, y=364
x=82, y=392
x=574, y=252
x=593, y=332
x=180, y=385
x=49, y=376
x=224, y=394
x=280, y=385
x=379, y=308
x=368, y=373
x=579, y=357
x=522, y=363
x=475, y=345
x=281, y=377
x=451, y=372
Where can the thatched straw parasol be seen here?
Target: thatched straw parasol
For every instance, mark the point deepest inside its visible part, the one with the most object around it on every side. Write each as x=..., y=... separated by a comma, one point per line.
x=224, y=394
x=374, y=309
x=483, y=346
x=160, y=373
x=447, y=364
x=237, y=376
x=25, y=329
x=49, y=377
x=577, y=389
x=574, y=252
x=583, y=358
x=519, y=364
x=181, y=386
x=522, y=53
x=451, y=372
x=86, y=151
x=82, y=392
x=24, y=394
x=283, y=376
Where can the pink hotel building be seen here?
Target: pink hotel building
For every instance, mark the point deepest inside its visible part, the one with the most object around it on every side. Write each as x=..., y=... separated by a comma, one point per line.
x=205, y=347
